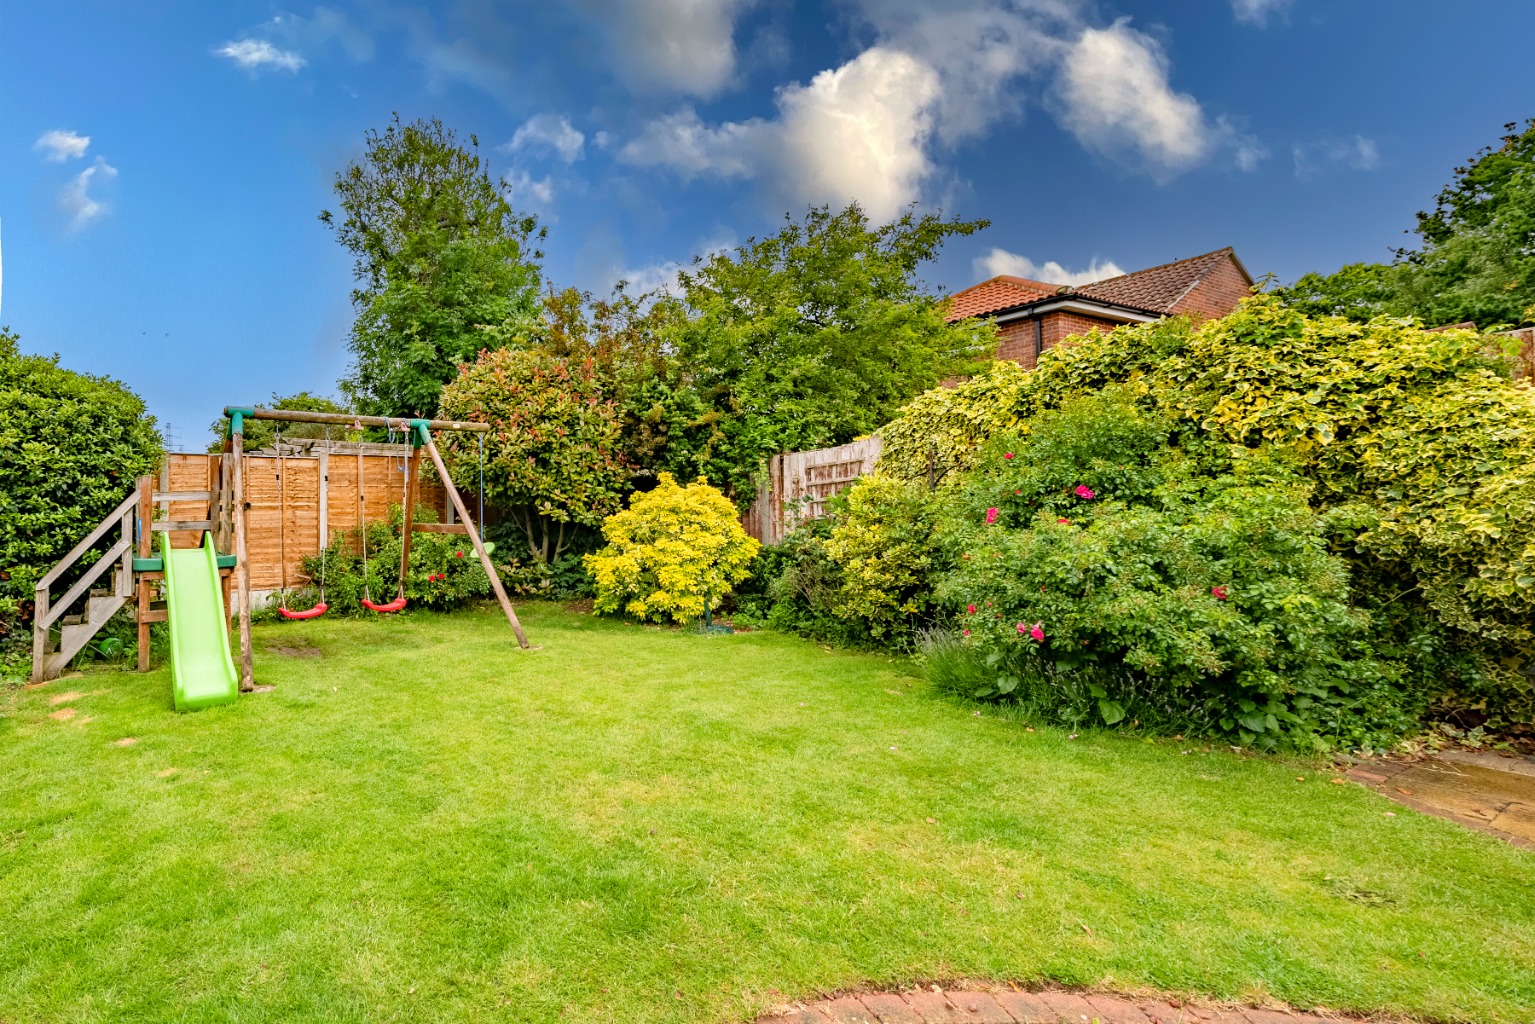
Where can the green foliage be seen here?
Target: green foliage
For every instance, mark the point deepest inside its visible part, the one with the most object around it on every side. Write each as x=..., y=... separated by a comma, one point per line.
x=553, y=461
x=673, y=553
x=260, y=434
x=1476, y=261
x=882, y=543
x=439, y=255
x=71, y=446
x=1418, y=456
x=444, y=572
x=1214, y=598
x=665, y=425
x=816, y=335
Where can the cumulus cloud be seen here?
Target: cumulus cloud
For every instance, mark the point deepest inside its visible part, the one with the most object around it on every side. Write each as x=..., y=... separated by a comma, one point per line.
x=662, y=276
x=59, y=145
x=875, y=128
x=999, y=261
x=548, y=133
x=671, y=46
x=523, y=187
x=1117, y=101
x=1356, y=154
x=254, y=54
x=1256, y=12
x=76, y=200
x=859, y=131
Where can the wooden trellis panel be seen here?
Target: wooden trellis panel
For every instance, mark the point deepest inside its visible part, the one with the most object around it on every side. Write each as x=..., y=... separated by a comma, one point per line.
x=798, y=485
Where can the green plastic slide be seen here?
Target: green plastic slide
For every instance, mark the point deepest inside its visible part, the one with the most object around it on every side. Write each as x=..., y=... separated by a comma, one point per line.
x=202, y=671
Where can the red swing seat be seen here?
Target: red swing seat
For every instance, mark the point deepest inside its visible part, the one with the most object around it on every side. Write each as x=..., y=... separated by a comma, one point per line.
x=308, y=613
x=393, y=606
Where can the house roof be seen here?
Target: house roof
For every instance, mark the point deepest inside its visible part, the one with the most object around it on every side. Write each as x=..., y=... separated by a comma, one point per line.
x=1157, y=290
x=1002, y=292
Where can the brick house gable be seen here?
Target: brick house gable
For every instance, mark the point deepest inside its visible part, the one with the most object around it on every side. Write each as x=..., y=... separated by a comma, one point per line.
x=1033, y=316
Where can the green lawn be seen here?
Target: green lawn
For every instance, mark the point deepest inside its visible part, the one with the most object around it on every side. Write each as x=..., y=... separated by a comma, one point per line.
x=633, y=824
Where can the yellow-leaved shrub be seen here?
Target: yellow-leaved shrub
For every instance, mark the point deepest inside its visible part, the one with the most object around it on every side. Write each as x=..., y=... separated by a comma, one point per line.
x=672, y=553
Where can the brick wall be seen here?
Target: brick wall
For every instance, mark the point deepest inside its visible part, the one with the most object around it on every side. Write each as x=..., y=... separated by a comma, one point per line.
x=1062, y=325
x=1018, y=336
x=1216, y=295
x=1017, y=342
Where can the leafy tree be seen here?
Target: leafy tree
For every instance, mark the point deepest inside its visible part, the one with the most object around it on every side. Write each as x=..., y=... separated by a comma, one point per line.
x=263, y=433
x=816, y=334
x=71, y=446
x=1476, y=261
x=439, y=254
x=552, y=457
x=666, y=426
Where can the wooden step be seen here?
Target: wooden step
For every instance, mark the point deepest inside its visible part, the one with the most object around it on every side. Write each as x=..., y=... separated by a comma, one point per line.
x=75, y=635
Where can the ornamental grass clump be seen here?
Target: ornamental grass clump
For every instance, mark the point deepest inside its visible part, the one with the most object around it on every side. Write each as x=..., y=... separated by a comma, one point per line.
x=675, y=553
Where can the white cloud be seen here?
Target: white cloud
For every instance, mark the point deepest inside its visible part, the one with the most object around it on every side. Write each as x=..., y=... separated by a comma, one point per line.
x=855, y=132
x=662, y=276
x=59, y=145
x=1117, y=101
x=876, y=128
x=1356, y=154
x=1000, y=261
x=252, y=54
x=682, y=142
x=548, y=133
x=76, y=199
x=524, y=186
x=671, y=46
x=1256, y=12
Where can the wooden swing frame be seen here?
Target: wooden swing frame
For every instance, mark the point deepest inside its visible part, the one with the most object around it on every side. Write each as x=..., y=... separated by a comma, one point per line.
x=419, y=433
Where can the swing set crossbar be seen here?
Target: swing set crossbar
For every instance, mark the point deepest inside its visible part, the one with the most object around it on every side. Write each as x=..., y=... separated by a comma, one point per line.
x=419, y=431
x=342, y=419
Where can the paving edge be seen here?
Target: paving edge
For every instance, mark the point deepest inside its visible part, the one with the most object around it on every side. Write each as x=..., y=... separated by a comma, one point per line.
x=973, y=1002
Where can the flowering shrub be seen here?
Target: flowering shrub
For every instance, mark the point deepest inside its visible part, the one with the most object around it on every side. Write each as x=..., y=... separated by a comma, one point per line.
x=1418, y=449
x=674, y=552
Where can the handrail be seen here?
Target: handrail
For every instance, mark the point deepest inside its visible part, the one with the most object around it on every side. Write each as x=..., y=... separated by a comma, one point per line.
x=83, y=584
x=79, y=549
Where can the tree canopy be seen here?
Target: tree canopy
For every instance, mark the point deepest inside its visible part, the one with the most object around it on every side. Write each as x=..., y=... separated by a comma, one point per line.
x=439, y=255
x=1475, y=261
x=816, y=334
x=263, y=433
x=552, y=458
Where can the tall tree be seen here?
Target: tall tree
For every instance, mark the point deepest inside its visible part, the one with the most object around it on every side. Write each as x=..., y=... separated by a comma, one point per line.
x=1476, y=260
x=817, y=334
x=439, y=255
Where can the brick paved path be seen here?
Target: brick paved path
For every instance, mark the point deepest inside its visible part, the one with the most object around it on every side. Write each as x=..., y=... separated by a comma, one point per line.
x=1004, y=1005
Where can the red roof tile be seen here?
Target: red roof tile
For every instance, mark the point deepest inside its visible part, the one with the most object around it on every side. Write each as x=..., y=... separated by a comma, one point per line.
x=1002, y=292
x=1154, y=290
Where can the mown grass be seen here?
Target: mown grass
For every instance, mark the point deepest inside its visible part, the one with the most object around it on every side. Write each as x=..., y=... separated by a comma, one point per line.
x=634, y=824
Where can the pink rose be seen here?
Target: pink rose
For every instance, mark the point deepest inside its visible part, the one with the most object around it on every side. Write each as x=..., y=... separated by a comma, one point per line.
x=969, y=609
x=460, y=554
x=1064, y=522
x=1022, y=628
x=1037, y=633
x=966, y=632
x=1219, y=593
x=1085, y=493
x=1008, y=455
x=991, y=516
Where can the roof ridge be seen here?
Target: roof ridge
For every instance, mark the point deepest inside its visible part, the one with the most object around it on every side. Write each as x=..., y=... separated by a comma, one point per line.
x=1163, y=266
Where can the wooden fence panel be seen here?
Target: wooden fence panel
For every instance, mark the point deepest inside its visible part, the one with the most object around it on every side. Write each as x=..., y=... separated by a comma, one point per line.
x=798, y=485
x=284, y=522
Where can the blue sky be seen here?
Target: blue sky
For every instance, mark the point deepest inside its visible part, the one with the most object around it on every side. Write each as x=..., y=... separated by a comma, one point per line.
x=162, y=164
